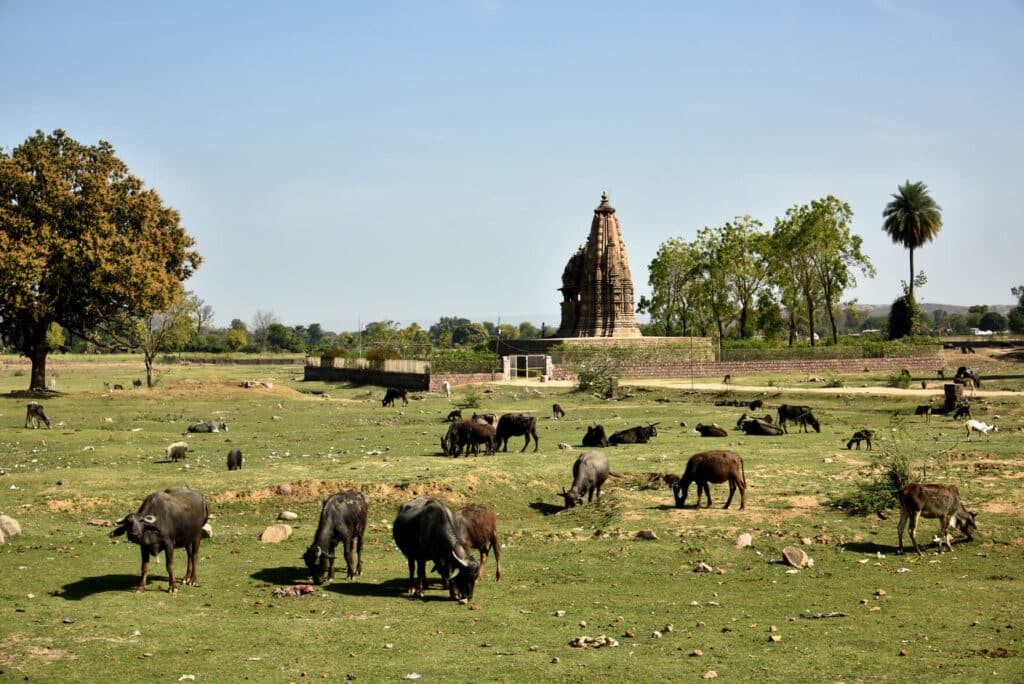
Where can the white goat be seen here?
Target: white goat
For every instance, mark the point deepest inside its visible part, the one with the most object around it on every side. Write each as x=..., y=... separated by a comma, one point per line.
x=978, y=426
x=447, y=387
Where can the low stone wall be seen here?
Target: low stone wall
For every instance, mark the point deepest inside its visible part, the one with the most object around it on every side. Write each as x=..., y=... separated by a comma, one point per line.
x=458, y=379
x=416, y=382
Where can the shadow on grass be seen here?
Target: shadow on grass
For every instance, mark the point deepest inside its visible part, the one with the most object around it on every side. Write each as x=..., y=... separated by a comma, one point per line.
x=87, y=586
x=392, y=588
x=284, y=575
x=869, y=547
x=546, y=508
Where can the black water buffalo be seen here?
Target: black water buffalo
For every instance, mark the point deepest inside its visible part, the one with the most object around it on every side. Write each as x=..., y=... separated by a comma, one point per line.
x=588, y=474
x=488, y=418
x=557, y=412
x=513, y=424
x=34, y=414
x=235, y=459
x=755, y=405
x=965, y=372
x=463, y=434
x=859, y=436
x=165, y=521
x=634, y=435
x=208, y=426
x=801, y=415
x=454, y=415
x=393, y=393
x=710, y=430
x=425, y=530
x=342, y=519
x=758, y=426
x=714, y=467
x=595, y=437
x=478, y=525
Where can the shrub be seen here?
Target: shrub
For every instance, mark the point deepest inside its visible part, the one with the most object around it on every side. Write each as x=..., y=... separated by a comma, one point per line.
x=898, y=380
x=597, y=380
x=472, y=397
x=835, y=381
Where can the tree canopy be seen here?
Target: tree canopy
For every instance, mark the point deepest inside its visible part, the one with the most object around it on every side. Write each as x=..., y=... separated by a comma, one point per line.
x=912, y=218
x=83, y=243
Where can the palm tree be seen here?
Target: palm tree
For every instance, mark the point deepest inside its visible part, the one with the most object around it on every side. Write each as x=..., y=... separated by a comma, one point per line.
x=912, y=218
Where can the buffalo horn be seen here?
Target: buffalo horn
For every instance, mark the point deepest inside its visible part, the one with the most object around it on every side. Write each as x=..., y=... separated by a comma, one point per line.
x=460, y=561
x=149, y=519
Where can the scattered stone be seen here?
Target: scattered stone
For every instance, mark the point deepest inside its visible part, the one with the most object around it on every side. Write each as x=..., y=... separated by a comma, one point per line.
x=774, y=638
x=696, y=653
x=744, y=540
x=710, y=674
x=619, y=618
x=593, y=642
x=284, y=489
x=556, y=660
x=703, y=567
x=534, y=648
x=903, y=651
x=880, y=592
x=583, y=624
x=670, y=627
x=647, y=534
x=806, y=541
x=875, y=609
x=773, y=628
x=297, y=590
x=288, y=515
x=559, y=613
x=99, y=522
x=630, y=633
x=564, y=447
x=795, y=557
x=9, y=526
x=276, y=533
x=655, y=634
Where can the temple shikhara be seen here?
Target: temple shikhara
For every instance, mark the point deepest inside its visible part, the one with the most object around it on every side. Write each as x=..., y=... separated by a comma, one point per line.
x=597, y=289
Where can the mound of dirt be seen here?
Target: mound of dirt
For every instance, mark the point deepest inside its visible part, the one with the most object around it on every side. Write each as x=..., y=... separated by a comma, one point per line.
x=214, y=389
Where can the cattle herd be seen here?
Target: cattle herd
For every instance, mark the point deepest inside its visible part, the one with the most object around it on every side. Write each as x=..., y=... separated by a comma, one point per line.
x=426, y=530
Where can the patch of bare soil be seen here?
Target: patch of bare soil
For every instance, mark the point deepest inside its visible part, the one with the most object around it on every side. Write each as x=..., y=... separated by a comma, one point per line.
x=78, y=504
x=192, y=389
x=15, y=648
x=304, y=490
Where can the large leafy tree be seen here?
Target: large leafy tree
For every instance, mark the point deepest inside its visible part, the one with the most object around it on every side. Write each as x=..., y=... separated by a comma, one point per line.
x=912, y=218
x=164, y=331
x=673, y=293
x=83, y=243
x=792, y=268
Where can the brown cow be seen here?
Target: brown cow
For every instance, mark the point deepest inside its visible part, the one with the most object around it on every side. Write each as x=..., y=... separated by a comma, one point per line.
x=934, y=501
x=478, y=526
x=716, y=467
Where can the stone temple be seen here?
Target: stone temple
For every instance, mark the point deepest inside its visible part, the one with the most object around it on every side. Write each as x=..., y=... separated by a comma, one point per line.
x=597, y=289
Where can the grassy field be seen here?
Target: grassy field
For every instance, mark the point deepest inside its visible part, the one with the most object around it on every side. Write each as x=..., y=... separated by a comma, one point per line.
x=70, y=612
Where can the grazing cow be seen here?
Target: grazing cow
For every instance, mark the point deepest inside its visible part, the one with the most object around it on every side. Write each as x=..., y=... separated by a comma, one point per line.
x=485, y=418
x=557, y=412
x=34, y=414
x=394, y=393
x=859, y=436
x=712, y=467
x=969, y=384
x=463, y=434
x=934, y=501
x=924, y=410
x=119, y=387
x=634, y=435
x=965, y=372
x=710, y=430
x=235, y=459
x=978, y=426
x=425, y=529
x=727, y=379
x=595, y=437
x=446, y=387
x=963, y=410
x=588, y=474
x=208, y=427
x=513, y=424
x=167, y=520
x=478, y=526
x=454, y=415
x=759, y=427
x=137, y=383
x=756, y=405
x=799, y=414
x=176, y=451
x=342, y=519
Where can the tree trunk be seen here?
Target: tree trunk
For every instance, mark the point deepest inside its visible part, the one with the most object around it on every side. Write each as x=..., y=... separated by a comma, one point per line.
x=36, y=351
x=911, y=281
x=149, y=371
x=810, y=320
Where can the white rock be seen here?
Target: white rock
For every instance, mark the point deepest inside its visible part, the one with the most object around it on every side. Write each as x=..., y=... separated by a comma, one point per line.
x=9, y=526
x=744, y=540
x=795, y=557
x=288, y=515
x=276, y=533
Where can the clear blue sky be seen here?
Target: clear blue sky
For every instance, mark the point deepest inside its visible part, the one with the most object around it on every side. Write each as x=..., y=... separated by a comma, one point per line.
x=407, y=160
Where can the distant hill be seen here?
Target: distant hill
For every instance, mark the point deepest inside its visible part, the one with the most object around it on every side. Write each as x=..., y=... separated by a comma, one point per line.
x=883, y=309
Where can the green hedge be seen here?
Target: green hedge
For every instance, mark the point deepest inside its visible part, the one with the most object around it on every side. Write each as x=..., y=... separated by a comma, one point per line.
x=464, y=361
x=672, y=352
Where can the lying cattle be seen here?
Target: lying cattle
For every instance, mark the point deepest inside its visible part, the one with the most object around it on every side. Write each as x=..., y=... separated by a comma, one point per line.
x=557, y=412
x=118, y=387
x=934, y=501
x=801, y=415
x=634, y=435
x=208, y=426
x=861, y=436
x=478, y=526
x=235, y=459
x=595, y=437
x=425, y=530
x=712, y=467
x=963, y=410
x=34, y=414
x=514, y=424
x=463, y=434
x=486, y=418
x=758, y=427
x=167, y=520
x=588, y=474
x=176, y=451
x=342, y=519
x=454, y=415
x=710, y=430
x=393, y=393
x=978, y=426
x=965, y=372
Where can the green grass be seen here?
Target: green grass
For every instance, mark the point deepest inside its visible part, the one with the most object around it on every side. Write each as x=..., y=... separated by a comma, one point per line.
x=949, y=613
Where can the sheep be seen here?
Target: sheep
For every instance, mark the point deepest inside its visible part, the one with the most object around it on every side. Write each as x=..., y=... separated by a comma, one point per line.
x=176, y=451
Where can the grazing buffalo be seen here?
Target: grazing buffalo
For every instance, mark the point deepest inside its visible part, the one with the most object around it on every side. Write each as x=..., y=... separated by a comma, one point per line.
x=513, y=424
x=557, y=412
x=463, y=434
x=634, y=435
x=165, y=521
x=176, y=451
x=34, y=414
x=425, y=530
x=756, y=405
x=393, y=393
x=478, y=525
x=595, y=437
x=715, y=467
x=934, y=501
x=342, y=519
x=861, y=436
x=588, y=474
x=454, y=415
x=965, y=372
x=710, y=430
x=235, y=459
x=208, y=426
x=801, y=415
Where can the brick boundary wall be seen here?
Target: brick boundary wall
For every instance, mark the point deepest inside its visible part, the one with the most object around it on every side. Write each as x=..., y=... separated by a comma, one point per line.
x=415, y=382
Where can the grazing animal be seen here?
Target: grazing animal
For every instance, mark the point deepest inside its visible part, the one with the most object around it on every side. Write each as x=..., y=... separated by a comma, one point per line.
x=119, y=387
x=106, y=386
x=342, y=520
x=712, y=467
x=924, y=410
x=595, y=437
x=963, y=410
x=710, y=430
x=634, y=435
x=941, y=373
x=485, y=418
x=756, y=405
x=208, y=427
x=965, y=372
x=588, y=474
x=167, y=520
x=513, y=424
x=446, y=387
x=934, y=501
x=727, y=379
x=861, y=436
x=801, y=415
x=454, y=415
x=968, y=383
x=425, y=529
x=51, y=384
x=557, y=412
x=393, y=393
x=137, y=383
x=235, y=459
x=978, y=426
x=34, y=414
x=176, y=451
x=759, y=426
x=478, y=526
x=463, y=434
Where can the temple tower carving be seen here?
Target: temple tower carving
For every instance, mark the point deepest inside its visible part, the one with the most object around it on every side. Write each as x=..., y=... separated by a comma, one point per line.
x=597, y=289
